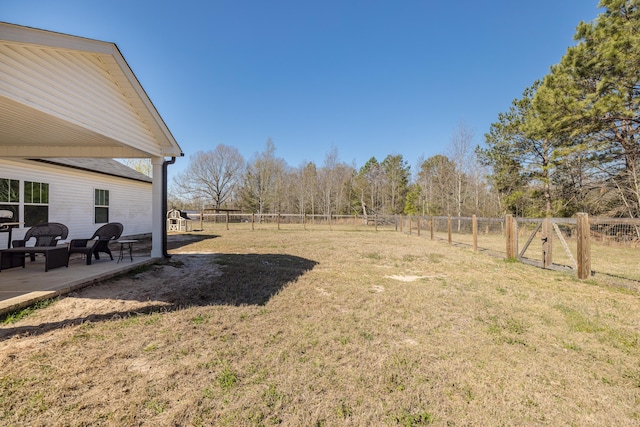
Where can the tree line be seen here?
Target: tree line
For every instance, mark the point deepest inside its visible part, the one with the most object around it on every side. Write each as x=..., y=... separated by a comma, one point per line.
x=569, y=144
x=452, y=184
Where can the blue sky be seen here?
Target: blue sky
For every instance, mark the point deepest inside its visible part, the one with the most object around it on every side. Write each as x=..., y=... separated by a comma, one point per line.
x=370, y=78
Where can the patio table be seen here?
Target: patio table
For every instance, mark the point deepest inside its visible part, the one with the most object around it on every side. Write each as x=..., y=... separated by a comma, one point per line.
x=54, y=256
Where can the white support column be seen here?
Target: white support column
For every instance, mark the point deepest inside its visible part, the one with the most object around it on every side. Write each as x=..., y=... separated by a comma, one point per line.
x=157, y=214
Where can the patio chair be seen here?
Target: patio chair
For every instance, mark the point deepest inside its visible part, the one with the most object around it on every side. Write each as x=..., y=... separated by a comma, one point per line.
x=46, y=234
x=99, y=242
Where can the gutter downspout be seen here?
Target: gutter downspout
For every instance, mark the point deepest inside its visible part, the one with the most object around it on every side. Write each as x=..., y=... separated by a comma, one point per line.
x=165, y=166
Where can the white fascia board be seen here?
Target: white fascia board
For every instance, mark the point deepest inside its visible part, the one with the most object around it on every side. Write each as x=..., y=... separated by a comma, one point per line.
x=34, y=36
x=170, y=146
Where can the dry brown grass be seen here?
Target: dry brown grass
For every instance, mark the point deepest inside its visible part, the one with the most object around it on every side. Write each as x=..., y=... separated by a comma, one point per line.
x=328, y=328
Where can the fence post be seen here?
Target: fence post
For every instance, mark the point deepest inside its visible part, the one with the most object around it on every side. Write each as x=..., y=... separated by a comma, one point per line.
x=278, y=220
x=547, y=243
x=401, y=222
x=227, y=220
x=253, y=219
x=418, y=218
x=304, y=221
x=584, y=246
x=409, y=219
x=432, y=226
x=474, y=228
x=449, y=227
x=201, y=220
x=375, y=220
x=511, y=234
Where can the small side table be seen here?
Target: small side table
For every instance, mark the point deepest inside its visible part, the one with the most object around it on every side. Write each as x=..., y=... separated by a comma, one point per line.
x=126, y=244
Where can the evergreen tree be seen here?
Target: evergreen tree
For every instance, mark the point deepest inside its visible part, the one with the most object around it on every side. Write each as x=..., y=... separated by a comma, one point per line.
x=593, y=95
x=397, y=173
x=523, y=155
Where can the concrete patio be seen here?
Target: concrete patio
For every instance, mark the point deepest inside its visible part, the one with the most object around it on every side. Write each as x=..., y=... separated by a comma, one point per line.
x=20, y=287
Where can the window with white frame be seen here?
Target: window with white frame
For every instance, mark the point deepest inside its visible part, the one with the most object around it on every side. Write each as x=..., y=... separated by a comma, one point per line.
x=101, y=202
x=36, y=203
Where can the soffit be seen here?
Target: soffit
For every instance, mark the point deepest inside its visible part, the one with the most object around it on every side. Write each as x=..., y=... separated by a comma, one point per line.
x=31, y=127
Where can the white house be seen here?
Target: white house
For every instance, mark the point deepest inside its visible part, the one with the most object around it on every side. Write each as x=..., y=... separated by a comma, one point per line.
x=69, y=97
x=81, y=193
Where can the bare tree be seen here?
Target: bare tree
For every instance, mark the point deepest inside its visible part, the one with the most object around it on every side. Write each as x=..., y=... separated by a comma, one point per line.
x=460, y=152
x=305, y=187
x=212, y=175
x=334, y=179
x=310, y=188
x=327, y=179
x=263, y=183
x=141, y=165
x=437, y=181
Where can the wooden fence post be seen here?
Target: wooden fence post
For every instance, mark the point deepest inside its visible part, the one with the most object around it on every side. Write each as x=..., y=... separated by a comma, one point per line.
x=227, y=220
x=474, y=227
x=449, y=228
x=511, y=234
x=409, y=219
x=304, y=221
x=401, y=221
x=418, y=218
x=584, y=246
x=278, y=220
x=547, y=243
x=253, y=220
x=201, y=220
x=375, y=220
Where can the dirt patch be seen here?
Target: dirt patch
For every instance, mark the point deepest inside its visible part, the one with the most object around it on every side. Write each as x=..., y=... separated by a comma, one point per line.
x=406, y=278
x=412, y=278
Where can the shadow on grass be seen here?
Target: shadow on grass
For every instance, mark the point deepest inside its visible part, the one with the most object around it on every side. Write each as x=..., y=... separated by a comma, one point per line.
x=177, y=241
x=245, y=279
x=238, y=280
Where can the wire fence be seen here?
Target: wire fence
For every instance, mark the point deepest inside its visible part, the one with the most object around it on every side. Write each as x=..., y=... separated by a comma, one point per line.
x=296, y=221
x=614, y=247
x=614, y=243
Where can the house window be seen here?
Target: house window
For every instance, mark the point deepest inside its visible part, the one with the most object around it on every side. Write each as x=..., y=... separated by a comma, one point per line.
x=36, y=203
x=101, y=206
x=10, y=196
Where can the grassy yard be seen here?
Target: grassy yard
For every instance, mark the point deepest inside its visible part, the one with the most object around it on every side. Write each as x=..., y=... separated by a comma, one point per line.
x=325, y=328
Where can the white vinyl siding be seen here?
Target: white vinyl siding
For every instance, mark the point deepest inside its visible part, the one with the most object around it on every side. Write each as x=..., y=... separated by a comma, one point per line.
x=72, y=197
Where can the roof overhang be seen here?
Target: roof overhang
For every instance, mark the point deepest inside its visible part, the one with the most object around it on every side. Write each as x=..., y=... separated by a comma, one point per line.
x=67, y=96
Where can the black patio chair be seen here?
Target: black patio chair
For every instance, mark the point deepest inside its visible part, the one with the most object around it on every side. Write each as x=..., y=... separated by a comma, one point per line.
x=46, y=234
x=99, y=242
